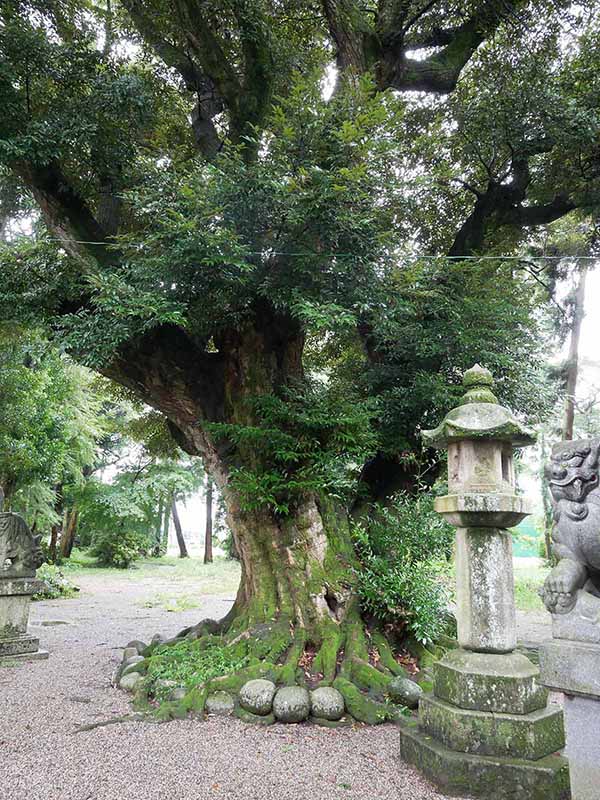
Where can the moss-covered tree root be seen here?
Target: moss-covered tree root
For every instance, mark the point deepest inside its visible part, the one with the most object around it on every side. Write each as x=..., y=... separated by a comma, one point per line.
x=358, y=663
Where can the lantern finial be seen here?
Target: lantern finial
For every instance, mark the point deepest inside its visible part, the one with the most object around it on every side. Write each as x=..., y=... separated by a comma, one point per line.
x=478, y=383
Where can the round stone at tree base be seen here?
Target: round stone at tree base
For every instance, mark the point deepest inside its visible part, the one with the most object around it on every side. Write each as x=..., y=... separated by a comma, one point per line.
x=130, y=682
x=220, y=703
x=405, y=692
x=291, y=704
x=327, y=703
x=256, y=696
x=135, y=664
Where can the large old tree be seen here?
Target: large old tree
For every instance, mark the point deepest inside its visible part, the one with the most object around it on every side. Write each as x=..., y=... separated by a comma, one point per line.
x=255, y=215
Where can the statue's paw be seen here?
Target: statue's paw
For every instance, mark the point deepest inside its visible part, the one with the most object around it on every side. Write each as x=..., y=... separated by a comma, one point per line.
x=565, y=601
x=557, y=595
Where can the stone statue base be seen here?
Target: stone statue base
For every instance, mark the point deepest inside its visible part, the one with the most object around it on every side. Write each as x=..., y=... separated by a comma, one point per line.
x=15, y=598
x=574, y=668
x=23, y=648
x=582, y=623
x=488, y=731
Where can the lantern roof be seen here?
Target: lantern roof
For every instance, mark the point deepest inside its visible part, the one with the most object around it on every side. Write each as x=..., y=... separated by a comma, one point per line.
x=479, y=416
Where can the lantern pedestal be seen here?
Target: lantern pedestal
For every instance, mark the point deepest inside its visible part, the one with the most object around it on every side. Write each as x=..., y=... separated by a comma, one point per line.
x=486, y=730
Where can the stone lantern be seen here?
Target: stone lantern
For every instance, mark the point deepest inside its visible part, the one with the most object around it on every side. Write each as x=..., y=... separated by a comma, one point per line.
x=482, y=502
x=20, y=555
x=486, y=730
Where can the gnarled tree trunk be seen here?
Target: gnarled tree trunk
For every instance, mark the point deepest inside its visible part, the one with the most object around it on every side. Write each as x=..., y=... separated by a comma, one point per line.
x=297, y=592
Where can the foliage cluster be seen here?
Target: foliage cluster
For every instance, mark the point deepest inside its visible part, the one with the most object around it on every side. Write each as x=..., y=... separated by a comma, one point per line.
x=313, y=439
x=56, y=583
x=190, y=663
x=404, y=578
x=123, y=520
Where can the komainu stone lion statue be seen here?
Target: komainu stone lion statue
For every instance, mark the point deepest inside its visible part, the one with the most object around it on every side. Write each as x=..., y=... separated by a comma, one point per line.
x=20, y=551
x=572, y=590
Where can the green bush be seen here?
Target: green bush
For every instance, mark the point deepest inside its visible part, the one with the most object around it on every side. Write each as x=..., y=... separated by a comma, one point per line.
x=118, y=548
x=405, y=576
x=55, y=583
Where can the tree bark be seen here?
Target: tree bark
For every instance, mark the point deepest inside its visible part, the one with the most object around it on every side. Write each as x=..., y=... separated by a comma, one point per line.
x=183, y=553
x=52, y=549
x=208, y=531
x=67, y=538
x=159, y=527
x=573, y=362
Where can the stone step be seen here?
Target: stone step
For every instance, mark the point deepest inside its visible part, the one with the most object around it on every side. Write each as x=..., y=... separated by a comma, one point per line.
x=484, y=776
x=528, y=736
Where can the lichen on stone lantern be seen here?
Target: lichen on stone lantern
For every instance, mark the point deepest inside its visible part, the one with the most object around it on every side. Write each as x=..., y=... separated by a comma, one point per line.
x=486, y=729
x=480, y=436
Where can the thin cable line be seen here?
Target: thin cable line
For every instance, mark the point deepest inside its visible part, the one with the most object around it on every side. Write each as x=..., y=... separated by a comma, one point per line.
x=413, y=257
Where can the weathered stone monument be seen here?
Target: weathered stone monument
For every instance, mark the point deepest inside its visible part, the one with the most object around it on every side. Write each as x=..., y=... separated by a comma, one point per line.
x=20, y=556
x=487, y=729
x=570, y=663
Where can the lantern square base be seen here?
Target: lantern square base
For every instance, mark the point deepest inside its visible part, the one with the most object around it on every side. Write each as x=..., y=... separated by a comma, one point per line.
x=495, y=777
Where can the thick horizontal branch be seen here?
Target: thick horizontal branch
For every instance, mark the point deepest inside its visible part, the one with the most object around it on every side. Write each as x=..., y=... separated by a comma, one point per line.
x=502, y=206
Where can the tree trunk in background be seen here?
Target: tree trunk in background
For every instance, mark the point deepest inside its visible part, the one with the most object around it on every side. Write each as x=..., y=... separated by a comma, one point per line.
x=165, y=525
x=56, y=530
x=183, y=553
x=208, y=532
x=8, y=485
x=53, y=543
x=573, y=362
x=158, y=530
x=67, y=538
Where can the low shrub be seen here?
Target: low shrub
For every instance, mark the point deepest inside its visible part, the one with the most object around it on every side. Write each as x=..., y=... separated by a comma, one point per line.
x=192, y=662
x=56, y=584
x=118, y=548
x=405, y=577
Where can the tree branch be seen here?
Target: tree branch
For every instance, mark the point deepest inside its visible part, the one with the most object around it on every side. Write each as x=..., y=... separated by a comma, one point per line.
x=65, y=212
x=347, y=27
x=440, y=72
x=210, y=102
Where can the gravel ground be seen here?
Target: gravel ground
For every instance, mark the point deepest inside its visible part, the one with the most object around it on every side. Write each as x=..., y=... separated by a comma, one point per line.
x=43, y=756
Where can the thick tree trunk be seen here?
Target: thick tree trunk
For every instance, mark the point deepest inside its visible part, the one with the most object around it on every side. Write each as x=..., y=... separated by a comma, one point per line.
x=299, y=568
x=297, y=600
x=208, y=531
x=183, y=553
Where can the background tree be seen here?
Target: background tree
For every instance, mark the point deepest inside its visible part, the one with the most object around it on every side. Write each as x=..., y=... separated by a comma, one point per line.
x=208, y=530
x=238, y=249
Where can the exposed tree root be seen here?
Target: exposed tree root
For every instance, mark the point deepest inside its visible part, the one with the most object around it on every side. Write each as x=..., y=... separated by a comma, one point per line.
x=359, y=663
